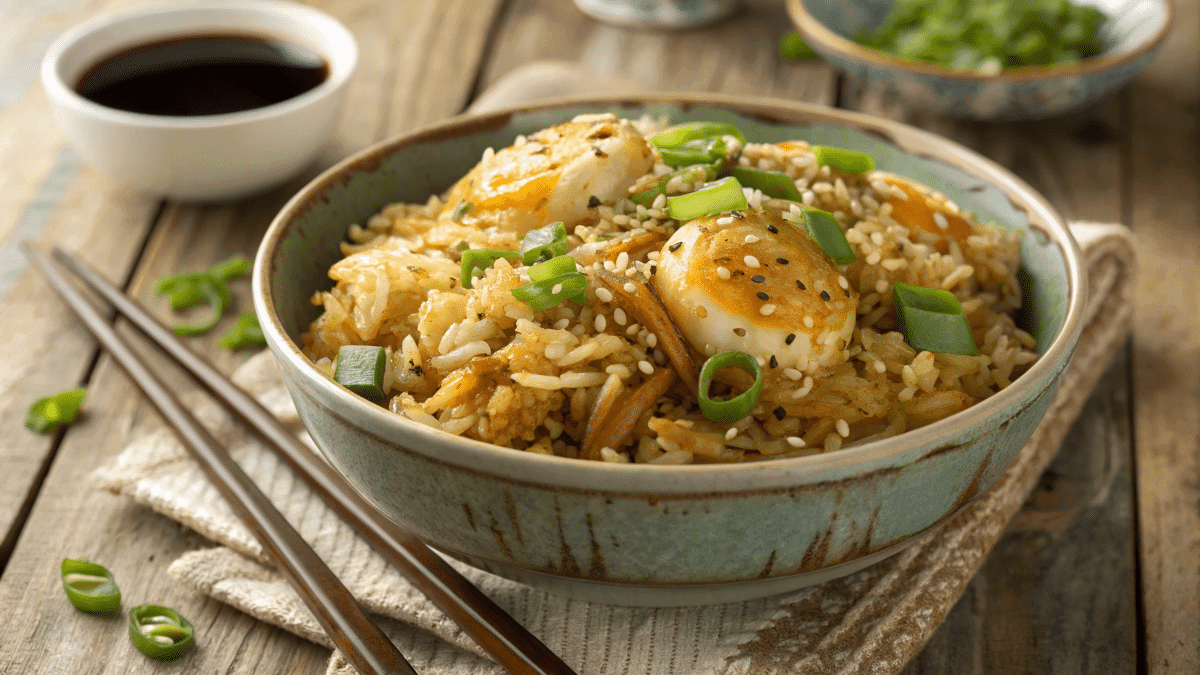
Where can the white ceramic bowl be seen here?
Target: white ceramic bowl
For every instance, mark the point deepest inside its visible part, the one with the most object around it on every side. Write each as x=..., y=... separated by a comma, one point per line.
x=1132, y=36
x=210, y=157
x=663, y=535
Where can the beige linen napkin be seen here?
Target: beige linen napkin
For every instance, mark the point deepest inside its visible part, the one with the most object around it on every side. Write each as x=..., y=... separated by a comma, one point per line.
x=873, y=621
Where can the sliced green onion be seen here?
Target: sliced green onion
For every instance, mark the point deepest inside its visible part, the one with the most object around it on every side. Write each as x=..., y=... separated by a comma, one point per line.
x=716, y=197
x=689, y=174
x=548, y=292
x=48, y=413
x=160, y=632
x=210, y=287
x=739, y=406
x=792, y=46
x=932, y=320
x=824, y=228
x=699, y=151
x=360, y=369
x=544, y=243
x=90, y=587
x=675, y=136
x=476, y=260
x=552, y=268
x=245, y=333
x=772, y=183
x=841, y=159
x=461, y=210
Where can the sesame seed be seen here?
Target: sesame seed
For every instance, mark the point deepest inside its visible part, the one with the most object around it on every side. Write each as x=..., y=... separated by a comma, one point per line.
x=630, y=288
x=593, y=202
x=772, y=229
x=740, y=332
x=758, y=278
x=725, y=221
x=795, y=441
x=846, y=292
x=737, y=214
x=767, y=309
x=751, y=261
x=781, y=261
x=774, y=361
x=751, y=239
x=730, y=433
x=843, y=283
x=825, y=296
x=675, y=247
x=619, y=316
x=800, y=285
x=793, y=374
x=808, y=322
x=940, y=219
x=790, y=338
x=701, y=311
x=762, y=296
x=723, y=272
x=600, y=323
x=843, y=428
x=556, y=289
x=645, y=366
x=779, y=413
x=604, y=294
x=651, y=340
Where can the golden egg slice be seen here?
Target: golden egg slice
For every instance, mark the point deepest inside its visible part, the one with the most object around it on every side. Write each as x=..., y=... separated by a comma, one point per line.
x=759, y=285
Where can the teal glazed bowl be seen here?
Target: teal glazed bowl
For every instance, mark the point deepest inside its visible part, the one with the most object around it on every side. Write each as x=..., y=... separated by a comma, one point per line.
x=1132, y=36
x=663, y=535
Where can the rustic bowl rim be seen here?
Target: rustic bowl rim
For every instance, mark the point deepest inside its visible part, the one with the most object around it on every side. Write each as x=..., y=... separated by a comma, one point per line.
x=821, y=37
x=489, y=458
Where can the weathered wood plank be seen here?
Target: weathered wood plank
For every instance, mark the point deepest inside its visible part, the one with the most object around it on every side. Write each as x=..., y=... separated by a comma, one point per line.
x=1068, y=557
x=398, y=87
x=737, y=56
x=1165, y=215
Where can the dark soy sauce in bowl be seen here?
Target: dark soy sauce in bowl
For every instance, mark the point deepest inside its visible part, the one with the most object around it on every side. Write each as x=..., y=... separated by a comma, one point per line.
x=203, y=75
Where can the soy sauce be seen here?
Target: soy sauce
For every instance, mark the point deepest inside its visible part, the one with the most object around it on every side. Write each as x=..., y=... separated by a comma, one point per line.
x=203, y=75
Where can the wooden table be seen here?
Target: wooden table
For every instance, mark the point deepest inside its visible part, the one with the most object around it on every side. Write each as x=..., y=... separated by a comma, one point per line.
x=1098, y=574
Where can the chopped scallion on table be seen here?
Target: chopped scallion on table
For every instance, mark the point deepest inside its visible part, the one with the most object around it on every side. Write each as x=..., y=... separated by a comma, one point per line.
x=716, y=197
x=476, y=260
x=210, y=287
x=160, y=632
x=245, y=333
x=792, y=46
x=737, y=407
x=48, y=413
x=90, y=587
x=360, y=369
x=824, y=229
x=932, y=320
x=841, y=159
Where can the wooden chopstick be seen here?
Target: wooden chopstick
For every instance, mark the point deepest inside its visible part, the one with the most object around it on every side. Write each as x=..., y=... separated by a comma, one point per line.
x=493, y=629
x=347, y=625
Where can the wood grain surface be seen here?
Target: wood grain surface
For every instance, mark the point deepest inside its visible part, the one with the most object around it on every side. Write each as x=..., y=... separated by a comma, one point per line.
x=1097, y=575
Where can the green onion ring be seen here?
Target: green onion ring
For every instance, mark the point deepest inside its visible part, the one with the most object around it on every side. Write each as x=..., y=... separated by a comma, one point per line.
x=545, y=242
x=160, y=632
x=739, y=406
x=48, y=413
x=841, y=159
x=90, y=587
x=932, y=320
x=540, y=294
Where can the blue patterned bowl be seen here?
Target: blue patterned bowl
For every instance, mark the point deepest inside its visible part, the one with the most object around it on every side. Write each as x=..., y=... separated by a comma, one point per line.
x=1133, y=35
x=664, y=535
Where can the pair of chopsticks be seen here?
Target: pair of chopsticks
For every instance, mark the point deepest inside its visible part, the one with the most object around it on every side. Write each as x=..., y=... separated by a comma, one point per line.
x=368, y=649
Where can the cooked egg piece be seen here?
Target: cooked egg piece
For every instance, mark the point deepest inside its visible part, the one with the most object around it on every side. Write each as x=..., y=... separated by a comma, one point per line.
x=558, y=173
x=760, y=285
x=919, y=208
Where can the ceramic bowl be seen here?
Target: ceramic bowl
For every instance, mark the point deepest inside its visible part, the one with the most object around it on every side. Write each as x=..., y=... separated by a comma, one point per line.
x=663, y=535
x=1132, y=36
x=209, y=157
